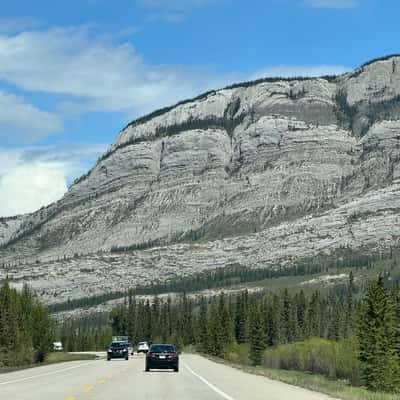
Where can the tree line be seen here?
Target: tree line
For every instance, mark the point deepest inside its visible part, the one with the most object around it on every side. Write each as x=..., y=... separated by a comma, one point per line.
x=27, y=331
x=223, y=277
x=365, y=329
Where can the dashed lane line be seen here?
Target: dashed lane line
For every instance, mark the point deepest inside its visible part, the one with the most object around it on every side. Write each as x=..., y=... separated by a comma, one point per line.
x=88, y=389
x=209, y=384
x=45, y=374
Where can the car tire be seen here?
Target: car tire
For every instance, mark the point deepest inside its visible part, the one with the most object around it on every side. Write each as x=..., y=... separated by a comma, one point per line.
x=126, y=358
x=176, y=369
x=108, y=359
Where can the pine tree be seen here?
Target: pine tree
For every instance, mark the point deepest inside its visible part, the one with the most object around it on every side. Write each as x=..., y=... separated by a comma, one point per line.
x=118, y=320
x=42, y=332
x=314, y=315
x=301, y=310
x=380, y=362
x=288, y=321
x=203, y=339
x=226, y=323
x=256, y=335
x=241, y=317
x=349, y=316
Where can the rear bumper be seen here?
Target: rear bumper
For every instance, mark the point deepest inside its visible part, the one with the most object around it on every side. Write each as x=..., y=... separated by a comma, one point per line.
x=162, y=364
x=117, y=355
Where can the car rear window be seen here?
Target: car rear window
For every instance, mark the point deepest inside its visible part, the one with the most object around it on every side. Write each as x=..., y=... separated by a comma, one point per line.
x=119, y=345
x=162, y=348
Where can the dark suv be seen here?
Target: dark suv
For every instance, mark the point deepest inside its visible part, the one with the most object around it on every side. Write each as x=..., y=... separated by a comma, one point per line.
x=162, y=356
x=118, y=350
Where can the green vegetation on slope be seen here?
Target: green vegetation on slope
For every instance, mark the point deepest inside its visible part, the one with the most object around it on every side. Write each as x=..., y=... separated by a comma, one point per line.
x=237, y=276
x=335, y=334
x=26, y=329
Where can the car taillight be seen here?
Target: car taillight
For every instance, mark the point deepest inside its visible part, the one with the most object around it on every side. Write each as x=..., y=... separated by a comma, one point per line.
x=151, y=354
x=173, y=354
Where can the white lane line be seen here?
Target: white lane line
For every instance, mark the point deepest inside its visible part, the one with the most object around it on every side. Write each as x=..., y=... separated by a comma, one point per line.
x=46, y=374
x=209, y=384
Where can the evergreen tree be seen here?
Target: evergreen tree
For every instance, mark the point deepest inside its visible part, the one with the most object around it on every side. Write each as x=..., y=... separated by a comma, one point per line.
x=349, y=317
x=379, y=356
x=241, y=317
x=118, y=320
x=203, y=339
x=225, y=326
x=301, y=309
x=256, y=335
x=26, y=329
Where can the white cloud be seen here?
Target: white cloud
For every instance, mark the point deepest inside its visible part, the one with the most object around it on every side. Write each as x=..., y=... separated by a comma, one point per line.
x=35, y=177
x=331, y=3
x=29, y=187
x=20, y=120
x=287, y=71
x=97, y=74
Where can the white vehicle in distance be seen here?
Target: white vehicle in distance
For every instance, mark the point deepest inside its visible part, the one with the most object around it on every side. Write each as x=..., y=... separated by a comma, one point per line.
x=57, y=346
x=143, y=347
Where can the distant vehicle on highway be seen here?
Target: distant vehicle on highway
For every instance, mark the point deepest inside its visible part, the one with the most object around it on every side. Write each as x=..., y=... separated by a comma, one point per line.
x=57, y=346
x=162, y=356
x=143, y=347
x=118, y=350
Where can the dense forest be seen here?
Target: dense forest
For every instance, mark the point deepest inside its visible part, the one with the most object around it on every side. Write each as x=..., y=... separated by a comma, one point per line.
x=26, y=329
x=350, y=331
x=335, y=334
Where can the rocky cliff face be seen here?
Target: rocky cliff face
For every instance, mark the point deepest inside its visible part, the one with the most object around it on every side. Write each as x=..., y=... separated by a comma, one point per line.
x=261, y=174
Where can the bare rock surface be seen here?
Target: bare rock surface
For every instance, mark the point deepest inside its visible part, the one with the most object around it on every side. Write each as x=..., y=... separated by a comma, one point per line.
x=260, y=174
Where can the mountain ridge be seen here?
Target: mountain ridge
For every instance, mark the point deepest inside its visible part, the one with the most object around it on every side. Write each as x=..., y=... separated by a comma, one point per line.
x=285, y=168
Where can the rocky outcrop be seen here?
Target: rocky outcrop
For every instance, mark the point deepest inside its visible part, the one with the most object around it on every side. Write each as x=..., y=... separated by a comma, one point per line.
x=261, y=174
x=8, y=226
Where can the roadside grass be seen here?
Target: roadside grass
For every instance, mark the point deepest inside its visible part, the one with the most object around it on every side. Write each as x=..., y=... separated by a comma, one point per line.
x=60, y=357
x=336, y=388
x=339, y=389
x=52, y=358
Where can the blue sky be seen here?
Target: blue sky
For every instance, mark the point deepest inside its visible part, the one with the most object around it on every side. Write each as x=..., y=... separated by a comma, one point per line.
x=72, y=74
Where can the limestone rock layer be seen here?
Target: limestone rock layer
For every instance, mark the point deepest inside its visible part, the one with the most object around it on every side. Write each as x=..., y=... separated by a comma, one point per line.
x=260, y=174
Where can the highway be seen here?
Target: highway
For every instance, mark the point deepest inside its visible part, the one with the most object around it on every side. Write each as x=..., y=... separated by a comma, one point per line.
x=198, y=379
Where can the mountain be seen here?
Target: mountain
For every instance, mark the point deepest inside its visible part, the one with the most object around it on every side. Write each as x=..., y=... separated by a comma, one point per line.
x=259, y=174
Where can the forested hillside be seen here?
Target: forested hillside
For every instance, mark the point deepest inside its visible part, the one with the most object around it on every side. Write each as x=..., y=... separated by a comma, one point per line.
x=334, y=334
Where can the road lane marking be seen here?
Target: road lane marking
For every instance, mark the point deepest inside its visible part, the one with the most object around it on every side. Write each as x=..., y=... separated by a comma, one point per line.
x=46, y=374
x=102, y=381
x=110, y=376
x=88, y=389
x=209, y=384
x=70, y=398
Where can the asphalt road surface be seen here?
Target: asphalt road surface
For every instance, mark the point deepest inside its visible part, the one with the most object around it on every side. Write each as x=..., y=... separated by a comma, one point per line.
x=198, y=379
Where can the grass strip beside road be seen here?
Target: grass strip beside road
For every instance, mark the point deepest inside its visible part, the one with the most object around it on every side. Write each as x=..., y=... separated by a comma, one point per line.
x=52, y=358
x=65, y=357
x=336, y=388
